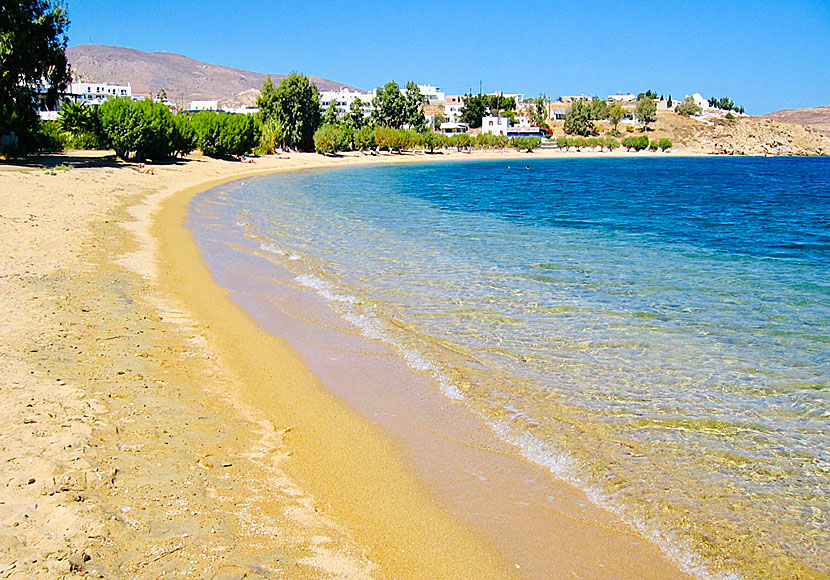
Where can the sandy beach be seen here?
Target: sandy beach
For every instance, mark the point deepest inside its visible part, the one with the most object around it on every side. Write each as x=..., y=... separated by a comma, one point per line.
x=153, y=430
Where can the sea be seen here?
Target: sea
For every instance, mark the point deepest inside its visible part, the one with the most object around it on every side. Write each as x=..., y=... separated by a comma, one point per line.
x=653, y=331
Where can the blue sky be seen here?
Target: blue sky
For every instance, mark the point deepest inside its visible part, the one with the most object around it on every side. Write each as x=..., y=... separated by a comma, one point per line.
x=766, y=56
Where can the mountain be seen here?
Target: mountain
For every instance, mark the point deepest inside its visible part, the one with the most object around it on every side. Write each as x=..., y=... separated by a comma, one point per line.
x=817, y=117
x=183, y=79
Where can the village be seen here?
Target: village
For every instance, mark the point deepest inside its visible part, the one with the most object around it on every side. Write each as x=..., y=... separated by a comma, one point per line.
x=443, y=112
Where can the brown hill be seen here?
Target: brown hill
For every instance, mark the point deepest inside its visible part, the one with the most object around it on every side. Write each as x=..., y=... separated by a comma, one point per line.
x=183, y=79
x=743, y=135
x=817, y=118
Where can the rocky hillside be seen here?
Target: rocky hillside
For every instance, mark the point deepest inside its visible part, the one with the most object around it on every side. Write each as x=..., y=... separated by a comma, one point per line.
x=182, y=78
x=743, y=135
x=816, y=117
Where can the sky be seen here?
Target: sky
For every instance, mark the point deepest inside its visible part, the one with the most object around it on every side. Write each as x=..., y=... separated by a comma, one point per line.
x=765, y=56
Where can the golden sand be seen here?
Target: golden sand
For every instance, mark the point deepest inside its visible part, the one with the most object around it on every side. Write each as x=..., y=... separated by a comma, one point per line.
x=152, y=429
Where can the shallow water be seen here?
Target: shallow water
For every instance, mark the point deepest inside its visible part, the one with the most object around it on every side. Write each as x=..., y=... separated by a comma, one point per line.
x=654, y=331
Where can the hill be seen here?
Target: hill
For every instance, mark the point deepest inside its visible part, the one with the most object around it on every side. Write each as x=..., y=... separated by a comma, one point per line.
x=816, y=117
x=183, y=79
x=743, y=135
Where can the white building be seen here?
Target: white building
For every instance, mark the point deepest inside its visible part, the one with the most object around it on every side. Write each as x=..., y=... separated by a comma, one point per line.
x=622, y=98
x=204, y=105
x=96, y=93
x=433, y=95
x=494, y=125
x=344, y=99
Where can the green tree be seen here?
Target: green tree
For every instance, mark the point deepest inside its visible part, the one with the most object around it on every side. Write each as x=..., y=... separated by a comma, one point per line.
x=161, y=96
x=272, y=136
x=477, y=107
x=295, y=103
x=328, y=140
x=649, y=94
x=32, y=52
x=356, y=117
x=578, y=119
x=665, y=143
x=390, y=106
x=539, y=112
x=222, y=135
x=437, y=120
x=669, y=103
x=615, y=114
x=688, y=107
x=365, y=138
x=330, y=118
x=140, y=130
x=414, y=103
x=647, y=111
x=598, y=109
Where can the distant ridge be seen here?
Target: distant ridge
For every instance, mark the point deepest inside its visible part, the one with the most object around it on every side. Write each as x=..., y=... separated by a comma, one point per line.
x=817, y=117
x=183, y=79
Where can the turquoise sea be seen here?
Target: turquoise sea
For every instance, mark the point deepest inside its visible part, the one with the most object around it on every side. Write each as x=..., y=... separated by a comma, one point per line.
x=654, y=331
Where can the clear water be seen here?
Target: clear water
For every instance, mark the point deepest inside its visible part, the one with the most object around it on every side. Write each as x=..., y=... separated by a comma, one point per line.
x=655, y=331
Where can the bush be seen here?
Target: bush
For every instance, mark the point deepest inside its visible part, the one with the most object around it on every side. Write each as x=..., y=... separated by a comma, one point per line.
x=365, y=138
x=272, y=136
x=527, y=143
x=688, y=107
x=664, y=143
x=612, y=143
x=141, y=130
x=636, y=143
x=328, y=139
x=222, y=135
x=50, y=137
x=563, y=142
x=653, y=146
x=460, y=141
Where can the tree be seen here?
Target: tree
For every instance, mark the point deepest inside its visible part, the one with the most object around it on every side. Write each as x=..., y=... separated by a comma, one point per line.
x=647, y=111
x=327, y=139
x=669, y=103
x=142, y=129
x=648, y=94
x=437, y=120
x=688, y=107
x=476, y=107
x=615, y=113
x=414, y=102
x=32, y=45
x=578, y=120
x=161, y=96
x=539, y=112
x=330, y=118
x=598, y=109
x=295, y=103
x=355, y=117
x=221, y=135
x=390, y=106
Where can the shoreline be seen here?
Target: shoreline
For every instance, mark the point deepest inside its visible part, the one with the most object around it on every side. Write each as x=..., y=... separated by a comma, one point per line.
x=134, y=427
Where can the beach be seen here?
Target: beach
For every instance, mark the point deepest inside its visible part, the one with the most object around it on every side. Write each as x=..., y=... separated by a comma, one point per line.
x=154, y=429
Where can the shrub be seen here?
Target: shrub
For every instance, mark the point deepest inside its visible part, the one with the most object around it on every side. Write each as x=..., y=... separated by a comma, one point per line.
x=563, y=142
x=142, y=129
x=636, y=143
x=665, y=143
x=594, y=142
x=653, y=146
x=221, y=134
x=365, y=138
x=326, y=139
x=688, y=107
x=528, y=143
x=460, y=141
x=612, y=143
x=272, y=136
x=50, y=137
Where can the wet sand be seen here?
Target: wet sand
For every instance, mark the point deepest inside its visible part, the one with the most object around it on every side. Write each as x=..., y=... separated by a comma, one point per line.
x=153, y=428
